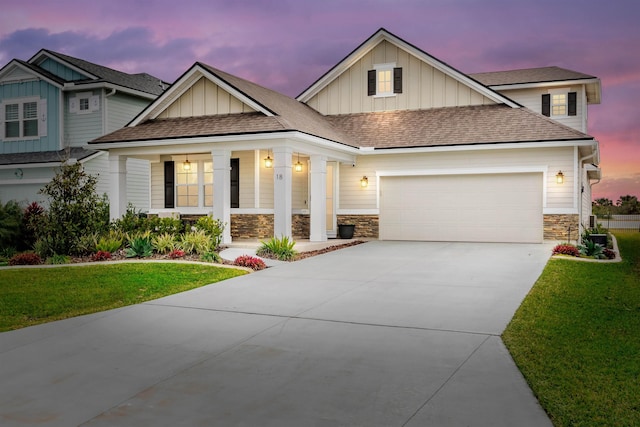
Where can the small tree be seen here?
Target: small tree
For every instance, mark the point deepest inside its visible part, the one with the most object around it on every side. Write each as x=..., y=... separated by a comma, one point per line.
x=74, y=210
x=10, y=224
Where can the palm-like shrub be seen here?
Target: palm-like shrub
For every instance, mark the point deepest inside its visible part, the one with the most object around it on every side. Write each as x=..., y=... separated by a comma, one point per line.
x=281, y=248
x=197, y=241
x=212, y=227
x=592, y=249
x=110, y=242
x=164, y=243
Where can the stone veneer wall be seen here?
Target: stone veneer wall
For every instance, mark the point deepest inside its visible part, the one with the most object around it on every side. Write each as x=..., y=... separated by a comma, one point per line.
x=367, y=226
x=300, y=226
x=251, y=226
x=556, y=227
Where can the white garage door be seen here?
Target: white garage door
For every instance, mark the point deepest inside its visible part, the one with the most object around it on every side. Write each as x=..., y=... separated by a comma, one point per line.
x=462, y=208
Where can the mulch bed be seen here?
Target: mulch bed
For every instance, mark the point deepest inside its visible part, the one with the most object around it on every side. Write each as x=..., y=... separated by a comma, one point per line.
x=120, y=255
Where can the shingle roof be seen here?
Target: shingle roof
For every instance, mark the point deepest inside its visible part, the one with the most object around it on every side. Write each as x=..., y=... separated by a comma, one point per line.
x=528, y=75
x=143, y=82
x=451, y=126
x=390, y=129
x=18, y=159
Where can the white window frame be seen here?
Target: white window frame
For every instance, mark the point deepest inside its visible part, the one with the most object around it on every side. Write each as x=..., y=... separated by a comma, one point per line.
x=76, y=103
x=382, y=68
x=20, y=102
x=556, y=92
x=201, y=184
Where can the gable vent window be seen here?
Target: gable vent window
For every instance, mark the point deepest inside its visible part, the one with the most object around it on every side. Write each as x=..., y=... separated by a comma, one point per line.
x=84, y=103
x=559, y=104
x=384, y=80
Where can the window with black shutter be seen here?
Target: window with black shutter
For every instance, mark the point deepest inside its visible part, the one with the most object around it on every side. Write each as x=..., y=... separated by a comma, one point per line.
x=169, y=187
x=384, y=80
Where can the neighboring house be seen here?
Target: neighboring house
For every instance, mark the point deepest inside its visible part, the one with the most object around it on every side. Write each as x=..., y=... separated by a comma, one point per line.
x=391, y=139
x=51, y=106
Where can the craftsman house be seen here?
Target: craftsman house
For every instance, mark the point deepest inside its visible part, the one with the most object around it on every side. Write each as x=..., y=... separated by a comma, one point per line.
x=390, y=139
x=51, y=106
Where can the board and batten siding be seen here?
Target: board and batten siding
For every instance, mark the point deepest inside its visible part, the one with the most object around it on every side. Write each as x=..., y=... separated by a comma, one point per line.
x=354, y=197
x=61, y=70
x=205, y=98
x=34, y=89
x=532, y=99
x=423, y=87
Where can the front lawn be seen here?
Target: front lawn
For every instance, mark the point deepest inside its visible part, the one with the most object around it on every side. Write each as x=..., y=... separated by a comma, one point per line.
x=576, y=339
x=30, y=296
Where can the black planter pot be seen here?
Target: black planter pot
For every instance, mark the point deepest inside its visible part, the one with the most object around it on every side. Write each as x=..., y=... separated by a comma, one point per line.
x=346, y=231
x=600, y=239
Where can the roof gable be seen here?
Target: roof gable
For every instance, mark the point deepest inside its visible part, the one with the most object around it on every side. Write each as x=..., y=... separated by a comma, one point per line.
x=415, y=55
x=78, y=71
x=19, y=71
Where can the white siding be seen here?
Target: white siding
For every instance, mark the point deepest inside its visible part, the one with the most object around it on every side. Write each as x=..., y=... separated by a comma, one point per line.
x=157, y=183
x=532, y=99
x=121, y=109
x=354, y=197
x=138, y=183
x=423, y=87
x=205, y=98
x=99, y=167
x=81, y=128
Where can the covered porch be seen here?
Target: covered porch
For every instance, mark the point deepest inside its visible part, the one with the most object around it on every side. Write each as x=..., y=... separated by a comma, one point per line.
x=259, y=187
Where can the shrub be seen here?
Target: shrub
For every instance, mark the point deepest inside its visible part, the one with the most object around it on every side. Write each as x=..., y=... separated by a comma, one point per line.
x=281, y=249
x=251, y=262
x=212, y=227
x=163, y=243
x=101, y=256
x=25, y=258
x=58, y=259
x=110, y=243
x=139, y=247
x=210, y=257
x=176, y=253
x=609, y=254
x=33, y=219
x=165, y=225
x=74, y=209
x=566, y=249
x=592, y=249
x=196, y=242
x=10, y=224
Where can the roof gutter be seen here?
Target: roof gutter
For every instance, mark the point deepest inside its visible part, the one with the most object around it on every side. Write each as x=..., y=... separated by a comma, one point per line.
x=105, y=85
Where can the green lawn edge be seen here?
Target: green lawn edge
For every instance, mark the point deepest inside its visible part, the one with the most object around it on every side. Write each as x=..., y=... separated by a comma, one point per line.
x=576, y=339
x=31, y=296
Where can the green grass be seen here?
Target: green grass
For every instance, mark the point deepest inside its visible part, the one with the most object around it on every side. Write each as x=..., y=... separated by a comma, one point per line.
x=576, y=339
x=31, y=296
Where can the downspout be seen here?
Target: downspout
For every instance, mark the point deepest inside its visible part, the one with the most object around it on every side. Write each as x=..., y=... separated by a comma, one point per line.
x=580, y=162
x=105, y=116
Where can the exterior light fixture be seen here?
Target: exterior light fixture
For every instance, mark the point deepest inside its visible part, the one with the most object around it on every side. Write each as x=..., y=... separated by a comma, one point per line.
x=298, y=166
x=186, y=165
x=559, y=177
x=268, y=161
x=364, y=182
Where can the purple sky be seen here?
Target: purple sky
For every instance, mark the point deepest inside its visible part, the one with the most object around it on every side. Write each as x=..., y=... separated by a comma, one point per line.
x=286, y=45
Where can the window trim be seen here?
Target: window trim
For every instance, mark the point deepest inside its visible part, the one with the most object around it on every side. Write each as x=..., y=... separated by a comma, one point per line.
x=570, y=110
x=21, y=120
x=200, y=185
x=389, y=66
x=76, y=101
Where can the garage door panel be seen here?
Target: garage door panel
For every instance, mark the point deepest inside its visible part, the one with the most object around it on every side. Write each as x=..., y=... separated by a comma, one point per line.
x=483, y=208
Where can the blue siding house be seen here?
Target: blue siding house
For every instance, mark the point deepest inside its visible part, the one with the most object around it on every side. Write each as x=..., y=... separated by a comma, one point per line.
x=51, y=106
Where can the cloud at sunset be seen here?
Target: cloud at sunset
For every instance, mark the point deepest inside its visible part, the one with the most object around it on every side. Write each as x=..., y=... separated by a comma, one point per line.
x=287, y=45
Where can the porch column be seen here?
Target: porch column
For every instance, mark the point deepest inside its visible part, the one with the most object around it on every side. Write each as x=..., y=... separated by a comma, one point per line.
x=117, y=186
x=222, y=190
x=282, y=188
x=318, y=199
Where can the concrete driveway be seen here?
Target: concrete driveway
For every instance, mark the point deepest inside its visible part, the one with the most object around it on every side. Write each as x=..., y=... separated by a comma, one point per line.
x=379, y=334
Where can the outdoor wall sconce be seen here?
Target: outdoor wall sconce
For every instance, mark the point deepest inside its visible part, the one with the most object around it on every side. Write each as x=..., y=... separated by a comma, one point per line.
x=364, y=182
x=559, y=177
x=268, y=161
x=298, y=166
x=186, y=165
